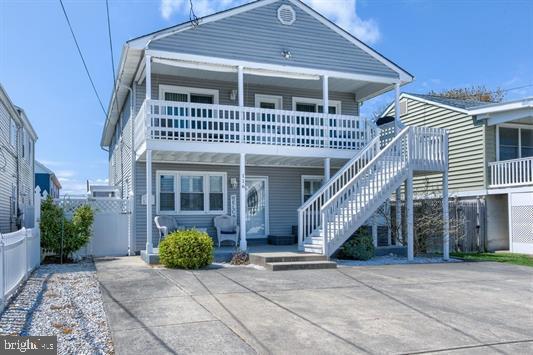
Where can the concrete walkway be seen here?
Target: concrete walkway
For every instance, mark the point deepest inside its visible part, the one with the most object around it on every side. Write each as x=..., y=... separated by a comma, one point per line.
x=459, y=308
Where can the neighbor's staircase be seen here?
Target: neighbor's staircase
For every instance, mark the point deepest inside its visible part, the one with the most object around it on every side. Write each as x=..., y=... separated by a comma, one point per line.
x=349, y=198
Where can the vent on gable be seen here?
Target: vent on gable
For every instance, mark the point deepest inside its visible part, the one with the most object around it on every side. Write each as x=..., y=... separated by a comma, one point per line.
x=286, y=15
x=403, y=107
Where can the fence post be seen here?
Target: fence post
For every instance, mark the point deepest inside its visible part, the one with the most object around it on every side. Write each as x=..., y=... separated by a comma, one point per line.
x=2, y=274
x=27, y=236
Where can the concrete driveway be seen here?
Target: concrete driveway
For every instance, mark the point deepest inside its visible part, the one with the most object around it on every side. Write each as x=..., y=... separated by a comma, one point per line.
x=459, y=308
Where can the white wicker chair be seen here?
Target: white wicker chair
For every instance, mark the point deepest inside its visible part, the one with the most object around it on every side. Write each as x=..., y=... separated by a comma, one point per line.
x=165, y=225
x=227, y=228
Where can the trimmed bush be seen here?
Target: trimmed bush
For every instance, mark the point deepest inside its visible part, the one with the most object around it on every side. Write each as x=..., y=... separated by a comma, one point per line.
x=358, y=247
x=186, y=249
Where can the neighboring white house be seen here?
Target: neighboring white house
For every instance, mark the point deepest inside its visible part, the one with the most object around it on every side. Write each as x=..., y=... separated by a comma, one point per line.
x=491, y=157
x=254, y=112
x=17, y=154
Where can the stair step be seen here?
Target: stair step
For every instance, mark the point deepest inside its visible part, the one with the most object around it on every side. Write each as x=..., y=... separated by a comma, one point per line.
x=313, y=248
x=264, y=258
x=301, y=265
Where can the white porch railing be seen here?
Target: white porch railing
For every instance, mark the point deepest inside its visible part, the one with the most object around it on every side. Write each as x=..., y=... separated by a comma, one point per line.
x=193, y=122
x=511, y=172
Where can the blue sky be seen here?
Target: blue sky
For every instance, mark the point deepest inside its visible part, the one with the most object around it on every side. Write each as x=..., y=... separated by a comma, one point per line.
x=444, y=43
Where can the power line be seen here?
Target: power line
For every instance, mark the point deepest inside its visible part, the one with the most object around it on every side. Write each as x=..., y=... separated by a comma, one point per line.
x=111, y=50
x=82, y=59
x=516, y=88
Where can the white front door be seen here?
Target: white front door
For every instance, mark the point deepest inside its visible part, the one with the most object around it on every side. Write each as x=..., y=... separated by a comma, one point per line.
x=256, y=207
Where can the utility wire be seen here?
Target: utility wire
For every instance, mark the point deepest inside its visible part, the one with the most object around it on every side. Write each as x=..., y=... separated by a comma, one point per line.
x=192, y=16
x=82, y=59
x=111, y=50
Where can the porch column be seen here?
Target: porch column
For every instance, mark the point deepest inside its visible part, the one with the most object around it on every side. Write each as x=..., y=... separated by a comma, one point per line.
x=148, y=75
x=149, y=247
x=240, y=94
x=410, y=225
x=242, y=200
x=445, y=205
x=327, y=169
x=374, y=230
x=397, y=118
x=399, y=240
x=325, y=105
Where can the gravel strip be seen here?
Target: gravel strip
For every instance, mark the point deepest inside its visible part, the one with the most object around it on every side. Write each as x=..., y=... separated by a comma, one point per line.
x=62, y=300
x=394, y=260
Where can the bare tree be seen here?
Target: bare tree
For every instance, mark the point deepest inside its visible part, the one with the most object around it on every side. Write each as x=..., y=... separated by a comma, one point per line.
x=478, y=93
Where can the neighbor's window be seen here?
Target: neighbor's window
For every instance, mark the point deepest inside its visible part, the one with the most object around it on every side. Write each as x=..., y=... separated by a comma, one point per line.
x=526, y=142
x=310, y=185
x=13, y=134
x=515, y=142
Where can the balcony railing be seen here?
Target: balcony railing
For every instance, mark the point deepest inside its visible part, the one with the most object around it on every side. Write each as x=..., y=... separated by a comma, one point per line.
x=193, y=122
x=511, y=172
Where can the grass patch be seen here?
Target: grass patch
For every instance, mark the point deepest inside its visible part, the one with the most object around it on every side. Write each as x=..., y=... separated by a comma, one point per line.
x=509, y=258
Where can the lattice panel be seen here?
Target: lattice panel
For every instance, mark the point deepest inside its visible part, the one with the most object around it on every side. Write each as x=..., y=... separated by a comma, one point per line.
x=522, y=224
x=99, y=205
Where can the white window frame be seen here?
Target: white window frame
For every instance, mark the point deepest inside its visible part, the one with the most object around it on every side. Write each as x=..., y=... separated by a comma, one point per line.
x=307, y=100
x=520, y=127
x=177, y=192
x=273, y=99
x=188, y=91
x=308, y=177
x=13, y=133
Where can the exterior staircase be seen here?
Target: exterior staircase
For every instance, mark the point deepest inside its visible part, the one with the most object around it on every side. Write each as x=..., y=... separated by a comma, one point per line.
x=353, y=195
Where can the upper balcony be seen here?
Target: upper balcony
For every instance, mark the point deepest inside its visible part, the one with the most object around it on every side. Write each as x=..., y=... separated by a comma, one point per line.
x=161, y=125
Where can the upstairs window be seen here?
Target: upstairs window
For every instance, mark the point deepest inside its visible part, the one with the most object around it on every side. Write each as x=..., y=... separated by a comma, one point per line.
x=187, y=94
x=515, y=143
x=315, y=105
x=526, y=142
x=13, y=133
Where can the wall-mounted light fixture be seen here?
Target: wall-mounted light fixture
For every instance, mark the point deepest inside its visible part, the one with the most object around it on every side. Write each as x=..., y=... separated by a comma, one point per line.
x=233, y=182
x=286, y=54
x=233, y=95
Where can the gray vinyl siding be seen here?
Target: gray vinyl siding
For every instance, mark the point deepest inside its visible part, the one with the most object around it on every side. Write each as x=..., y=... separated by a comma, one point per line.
x=258, y=36
x=348, y=103
x=466, y=146
x=8, y=174
x=284, y=196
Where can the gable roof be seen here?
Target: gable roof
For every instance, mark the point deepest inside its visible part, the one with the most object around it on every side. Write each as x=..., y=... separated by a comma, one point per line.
x=40, y=168
x=17, y=113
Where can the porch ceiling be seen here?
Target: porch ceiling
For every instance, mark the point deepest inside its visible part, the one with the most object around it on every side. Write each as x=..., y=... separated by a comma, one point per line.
x=233, y=159
x=359, y=88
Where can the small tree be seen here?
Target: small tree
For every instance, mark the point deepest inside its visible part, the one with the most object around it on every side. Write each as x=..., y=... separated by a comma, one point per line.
x=60, y=235
x=478, y=93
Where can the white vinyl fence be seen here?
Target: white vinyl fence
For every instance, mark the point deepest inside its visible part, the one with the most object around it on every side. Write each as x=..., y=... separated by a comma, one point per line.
x=20, y=254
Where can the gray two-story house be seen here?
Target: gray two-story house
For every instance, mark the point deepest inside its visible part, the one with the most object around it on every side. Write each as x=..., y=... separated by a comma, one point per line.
x=253, y=113
x=490, y=158
x=17, y=154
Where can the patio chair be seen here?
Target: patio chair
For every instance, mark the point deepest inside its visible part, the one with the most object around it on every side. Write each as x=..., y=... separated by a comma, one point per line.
x=227, y=228
x=165, y=225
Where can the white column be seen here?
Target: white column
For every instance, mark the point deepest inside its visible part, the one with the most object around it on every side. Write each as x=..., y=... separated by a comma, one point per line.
x=149, y=247
x=325, y=105
x=397, y=118
x=445, y=205
x=399, y=240
x=242, y=199
x=374, y=230
x=148, y=75
x=327, y=169
x=410, y=225
x=240, y=94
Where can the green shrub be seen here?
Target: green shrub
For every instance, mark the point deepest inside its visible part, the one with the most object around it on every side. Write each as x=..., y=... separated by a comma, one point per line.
x=187, y=249
x=61, y=236
x=358, y=247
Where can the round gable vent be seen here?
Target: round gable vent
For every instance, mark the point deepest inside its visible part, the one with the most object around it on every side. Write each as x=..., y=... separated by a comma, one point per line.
x=286, y=15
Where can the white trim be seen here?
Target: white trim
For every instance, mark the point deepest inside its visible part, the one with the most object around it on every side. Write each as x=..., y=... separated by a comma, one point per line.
x=188, y=91
x=308, y=177
x=273, y=99
x=271, y=67
x=267, y=204
x=177, y=174
x=503, y=106
x=404, y=95
x=305, y=100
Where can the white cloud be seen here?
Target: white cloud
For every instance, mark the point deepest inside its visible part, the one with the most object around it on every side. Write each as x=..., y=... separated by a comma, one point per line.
x=342, y=12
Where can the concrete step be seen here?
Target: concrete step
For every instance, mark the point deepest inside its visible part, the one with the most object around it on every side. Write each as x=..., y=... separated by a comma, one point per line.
x=276, y=257
x=313, y=248
x=301, y=265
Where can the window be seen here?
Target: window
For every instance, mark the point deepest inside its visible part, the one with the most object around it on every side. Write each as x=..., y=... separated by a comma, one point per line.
x=23, y=133
x=271, y=102
x=190, y=192
x=187, y=94
x=13, y=134
x=315, y=105
x=514, y=142
x=310, y=185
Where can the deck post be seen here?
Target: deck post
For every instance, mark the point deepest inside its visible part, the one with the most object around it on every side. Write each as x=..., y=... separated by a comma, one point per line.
x=397, y=120
x=410, y=224
x=327, y=169
x=242, y=200
x=240, y=94
x=325, y=109
x=445, y=205
x=149, y=247
x=148, y=75
x=374, y=230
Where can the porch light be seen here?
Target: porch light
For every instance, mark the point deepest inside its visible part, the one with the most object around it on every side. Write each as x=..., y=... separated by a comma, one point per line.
x=233, y=95
x=233, y=183
x=286, y=54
